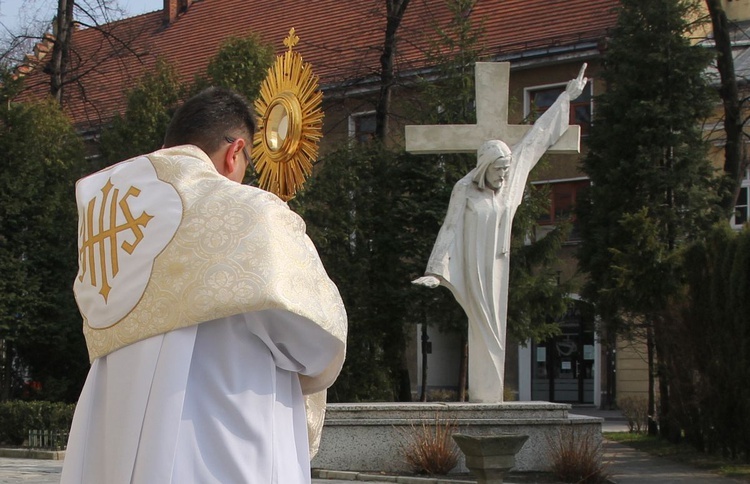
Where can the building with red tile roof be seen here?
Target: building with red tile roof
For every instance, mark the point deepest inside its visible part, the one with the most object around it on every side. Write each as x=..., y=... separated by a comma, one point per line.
x=546, y=41
x=342, y=40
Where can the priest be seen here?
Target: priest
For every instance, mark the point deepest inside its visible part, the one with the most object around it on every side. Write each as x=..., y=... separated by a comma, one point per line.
x=212, y=326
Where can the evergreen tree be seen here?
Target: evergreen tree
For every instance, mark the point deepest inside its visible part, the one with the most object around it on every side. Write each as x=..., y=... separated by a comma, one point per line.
x=150, y=105
x=241, y=64
x=332, y=206
x=652, y=187
x=41, y=156
x=366, y=210
x=341, y=206
x=711, y=344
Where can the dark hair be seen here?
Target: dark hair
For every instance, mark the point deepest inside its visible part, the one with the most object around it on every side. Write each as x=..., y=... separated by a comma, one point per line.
x=206, y=118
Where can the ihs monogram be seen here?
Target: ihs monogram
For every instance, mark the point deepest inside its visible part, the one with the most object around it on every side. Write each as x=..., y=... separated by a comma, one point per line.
x=94, y=244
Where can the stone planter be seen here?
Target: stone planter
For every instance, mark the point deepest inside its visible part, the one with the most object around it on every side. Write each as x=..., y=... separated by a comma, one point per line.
x=490, y=457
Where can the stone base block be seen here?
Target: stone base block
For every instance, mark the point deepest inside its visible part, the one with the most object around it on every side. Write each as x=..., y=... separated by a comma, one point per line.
x=370, y=436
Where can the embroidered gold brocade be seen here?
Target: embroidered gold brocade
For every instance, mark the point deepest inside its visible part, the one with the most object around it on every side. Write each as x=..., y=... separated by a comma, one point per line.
x=238, y=249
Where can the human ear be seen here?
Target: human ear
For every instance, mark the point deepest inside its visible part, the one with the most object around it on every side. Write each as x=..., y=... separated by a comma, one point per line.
x=230, y=158
x=236, y=161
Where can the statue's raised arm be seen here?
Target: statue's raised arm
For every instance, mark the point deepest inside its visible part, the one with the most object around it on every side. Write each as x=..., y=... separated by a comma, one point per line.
x=575, y=86
x=547, y=130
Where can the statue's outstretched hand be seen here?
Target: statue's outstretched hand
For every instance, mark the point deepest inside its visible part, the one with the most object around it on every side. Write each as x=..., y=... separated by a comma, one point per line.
x=575, y=86
x=429, y=281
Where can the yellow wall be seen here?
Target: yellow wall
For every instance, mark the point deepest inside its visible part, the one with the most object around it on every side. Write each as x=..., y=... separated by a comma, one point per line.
x=632, y=368
x=737, y=9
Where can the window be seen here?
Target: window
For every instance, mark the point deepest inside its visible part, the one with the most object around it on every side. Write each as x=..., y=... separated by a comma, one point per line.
x=539, y=99
x=362, y=127
x=741, y=212
x=563, y=198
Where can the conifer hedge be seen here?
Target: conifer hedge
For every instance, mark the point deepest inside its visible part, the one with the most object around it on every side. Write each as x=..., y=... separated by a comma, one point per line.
x=710, y=370
x=18, y=417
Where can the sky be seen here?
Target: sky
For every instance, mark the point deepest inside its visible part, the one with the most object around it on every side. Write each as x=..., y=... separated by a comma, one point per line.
x=14, y=14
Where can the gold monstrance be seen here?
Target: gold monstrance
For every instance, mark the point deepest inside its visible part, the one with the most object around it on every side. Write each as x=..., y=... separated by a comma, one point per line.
x=289, y=126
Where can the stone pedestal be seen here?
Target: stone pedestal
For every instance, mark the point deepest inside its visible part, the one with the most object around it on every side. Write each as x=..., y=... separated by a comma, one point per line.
x=369, y=436
x=490, y=457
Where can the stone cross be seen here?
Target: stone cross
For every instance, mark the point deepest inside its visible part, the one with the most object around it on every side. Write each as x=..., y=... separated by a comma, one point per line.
x=480, y=281
x=492, y=121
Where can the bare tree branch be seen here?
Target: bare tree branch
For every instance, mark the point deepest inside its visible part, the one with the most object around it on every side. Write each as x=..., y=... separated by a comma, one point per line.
x=395, y=10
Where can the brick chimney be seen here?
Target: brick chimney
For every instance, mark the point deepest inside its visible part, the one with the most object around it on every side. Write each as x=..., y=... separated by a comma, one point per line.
x=174, y=8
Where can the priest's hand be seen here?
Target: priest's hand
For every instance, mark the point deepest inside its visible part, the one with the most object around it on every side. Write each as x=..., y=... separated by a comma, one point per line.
x=429, y=281
x=575, y=86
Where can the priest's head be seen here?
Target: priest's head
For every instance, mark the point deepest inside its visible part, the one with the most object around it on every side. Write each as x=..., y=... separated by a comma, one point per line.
x=493, y=162
x=222, y=124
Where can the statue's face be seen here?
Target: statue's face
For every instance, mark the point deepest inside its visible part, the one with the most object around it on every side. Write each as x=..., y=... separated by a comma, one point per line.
x=496, y=172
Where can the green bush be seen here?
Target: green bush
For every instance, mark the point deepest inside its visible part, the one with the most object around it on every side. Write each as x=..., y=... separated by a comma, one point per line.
x=18, y=417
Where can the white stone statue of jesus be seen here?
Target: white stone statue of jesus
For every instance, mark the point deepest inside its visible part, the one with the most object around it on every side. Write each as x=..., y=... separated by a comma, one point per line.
x=471, y=253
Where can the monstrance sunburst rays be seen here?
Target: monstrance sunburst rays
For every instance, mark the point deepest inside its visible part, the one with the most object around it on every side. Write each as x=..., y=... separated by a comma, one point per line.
x=289, y=126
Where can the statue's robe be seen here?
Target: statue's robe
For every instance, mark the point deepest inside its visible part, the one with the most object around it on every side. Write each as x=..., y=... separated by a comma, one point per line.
x=211, y=324
x=471, y=253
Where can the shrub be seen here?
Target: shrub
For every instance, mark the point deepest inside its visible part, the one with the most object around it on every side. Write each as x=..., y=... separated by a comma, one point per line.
x=429, y=448
x=18, y=417
x=576, y=455
x=635, y=410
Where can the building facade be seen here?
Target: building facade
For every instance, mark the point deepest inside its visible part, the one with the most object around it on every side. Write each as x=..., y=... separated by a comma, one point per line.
x=545, y=42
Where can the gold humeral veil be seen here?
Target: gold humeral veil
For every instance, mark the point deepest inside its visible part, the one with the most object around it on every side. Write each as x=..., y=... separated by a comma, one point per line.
x=165, y=242
x=234, y=249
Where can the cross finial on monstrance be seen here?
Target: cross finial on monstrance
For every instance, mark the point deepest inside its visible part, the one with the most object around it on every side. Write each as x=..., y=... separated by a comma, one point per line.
x=492, y=81
x=291, y=40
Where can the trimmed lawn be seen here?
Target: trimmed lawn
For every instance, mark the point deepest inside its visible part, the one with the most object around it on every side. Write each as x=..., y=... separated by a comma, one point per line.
x=682, y=453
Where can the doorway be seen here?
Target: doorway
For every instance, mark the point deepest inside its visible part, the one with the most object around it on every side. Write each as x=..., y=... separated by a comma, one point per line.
x=563, y=366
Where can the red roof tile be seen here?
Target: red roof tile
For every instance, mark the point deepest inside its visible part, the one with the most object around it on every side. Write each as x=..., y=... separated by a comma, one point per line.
x=341, y=38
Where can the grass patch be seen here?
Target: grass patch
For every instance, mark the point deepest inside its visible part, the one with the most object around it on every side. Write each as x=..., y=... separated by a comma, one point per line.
x=682, y=453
